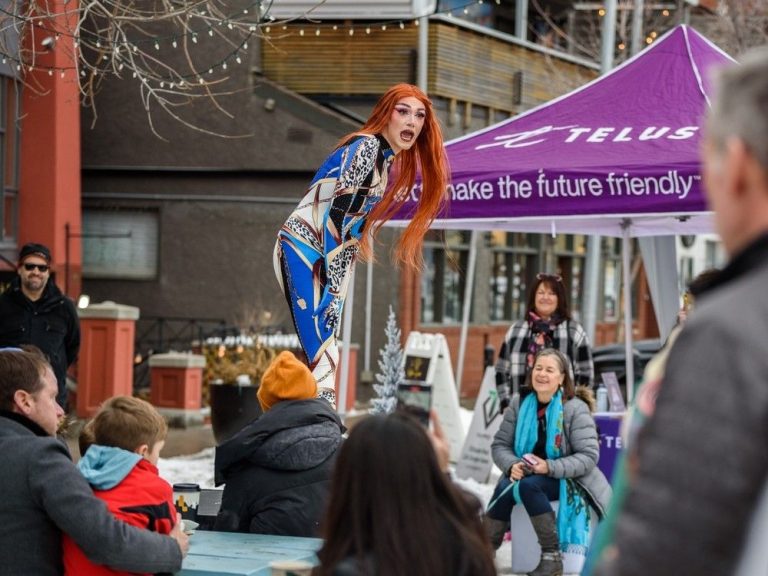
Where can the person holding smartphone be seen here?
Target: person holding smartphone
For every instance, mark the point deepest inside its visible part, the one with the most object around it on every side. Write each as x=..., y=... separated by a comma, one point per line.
x=547, y=447
x=393, y=510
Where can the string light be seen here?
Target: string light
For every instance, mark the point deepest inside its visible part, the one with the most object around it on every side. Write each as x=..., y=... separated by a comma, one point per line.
x=115, y=46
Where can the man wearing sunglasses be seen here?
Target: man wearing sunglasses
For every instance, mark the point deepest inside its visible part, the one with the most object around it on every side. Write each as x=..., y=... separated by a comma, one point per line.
x=34, y=311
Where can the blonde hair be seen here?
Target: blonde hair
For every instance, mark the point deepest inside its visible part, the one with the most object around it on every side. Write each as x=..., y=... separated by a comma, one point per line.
x=128, y=423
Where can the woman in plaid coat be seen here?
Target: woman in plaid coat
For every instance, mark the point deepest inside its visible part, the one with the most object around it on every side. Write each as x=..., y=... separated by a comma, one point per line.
x=547, y=324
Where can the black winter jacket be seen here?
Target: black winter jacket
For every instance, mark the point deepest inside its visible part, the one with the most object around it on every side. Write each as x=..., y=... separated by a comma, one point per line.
x=278, y=469
x=50, y=323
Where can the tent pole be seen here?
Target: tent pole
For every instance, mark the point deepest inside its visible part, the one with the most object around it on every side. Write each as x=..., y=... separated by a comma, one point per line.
x=626, y=249
x=591, y=287
x=468, y=289
x=341, y=401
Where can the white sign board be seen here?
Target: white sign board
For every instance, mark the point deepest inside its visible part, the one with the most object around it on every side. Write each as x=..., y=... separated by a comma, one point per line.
x=428, y=360
x=615, y=400
x=475, y=461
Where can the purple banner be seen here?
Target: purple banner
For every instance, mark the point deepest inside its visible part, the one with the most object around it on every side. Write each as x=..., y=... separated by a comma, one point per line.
x=608, y=426
x=627, y=143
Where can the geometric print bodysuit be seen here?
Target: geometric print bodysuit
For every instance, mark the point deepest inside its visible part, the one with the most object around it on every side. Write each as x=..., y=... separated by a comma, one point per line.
x=317, y=247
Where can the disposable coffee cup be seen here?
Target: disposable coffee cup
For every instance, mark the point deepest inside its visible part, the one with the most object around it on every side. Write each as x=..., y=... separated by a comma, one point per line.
x=290, y=568
x=186, y=498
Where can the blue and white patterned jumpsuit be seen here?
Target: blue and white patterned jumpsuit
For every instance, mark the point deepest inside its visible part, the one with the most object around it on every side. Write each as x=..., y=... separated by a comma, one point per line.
x=317, y=246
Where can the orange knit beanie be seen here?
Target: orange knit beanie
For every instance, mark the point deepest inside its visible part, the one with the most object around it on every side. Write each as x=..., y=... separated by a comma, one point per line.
x=287, y=378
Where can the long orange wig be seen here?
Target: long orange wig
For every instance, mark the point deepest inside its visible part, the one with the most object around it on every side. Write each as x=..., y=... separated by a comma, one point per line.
x=428, y=155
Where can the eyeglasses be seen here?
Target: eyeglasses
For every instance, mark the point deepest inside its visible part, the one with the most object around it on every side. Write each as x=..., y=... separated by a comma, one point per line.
x=41, y=267
x=553, y=277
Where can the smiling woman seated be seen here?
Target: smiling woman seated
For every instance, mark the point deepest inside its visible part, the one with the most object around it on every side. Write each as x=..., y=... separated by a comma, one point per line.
x=547, y=447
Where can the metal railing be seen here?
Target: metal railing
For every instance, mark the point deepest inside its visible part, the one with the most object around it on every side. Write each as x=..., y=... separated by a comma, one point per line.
x=156, y=334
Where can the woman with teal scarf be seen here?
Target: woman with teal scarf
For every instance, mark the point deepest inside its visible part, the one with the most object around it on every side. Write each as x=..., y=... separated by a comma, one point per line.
x=556, y=433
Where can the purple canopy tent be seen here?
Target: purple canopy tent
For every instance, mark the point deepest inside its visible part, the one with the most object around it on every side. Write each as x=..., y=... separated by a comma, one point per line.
x=618, y=157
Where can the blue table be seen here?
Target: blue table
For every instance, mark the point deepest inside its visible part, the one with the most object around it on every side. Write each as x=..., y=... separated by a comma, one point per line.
x=233, y=554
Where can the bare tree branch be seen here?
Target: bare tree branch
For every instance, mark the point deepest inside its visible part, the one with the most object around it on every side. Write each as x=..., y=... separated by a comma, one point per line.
x=178, y=51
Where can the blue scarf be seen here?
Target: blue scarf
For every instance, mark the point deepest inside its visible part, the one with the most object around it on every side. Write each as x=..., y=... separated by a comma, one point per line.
x=573, y=514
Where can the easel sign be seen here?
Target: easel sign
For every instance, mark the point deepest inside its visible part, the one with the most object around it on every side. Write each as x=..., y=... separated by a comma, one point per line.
x=428, y=360
x=476, y=461
x=615, y=399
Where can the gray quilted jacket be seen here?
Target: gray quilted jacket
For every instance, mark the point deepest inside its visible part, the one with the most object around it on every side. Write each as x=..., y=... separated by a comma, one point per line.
x=580, y=448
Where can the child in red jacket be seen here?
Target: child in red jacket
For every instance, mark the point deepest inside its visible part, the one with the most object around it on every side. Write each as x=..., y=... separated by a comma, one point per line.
x=121, y=467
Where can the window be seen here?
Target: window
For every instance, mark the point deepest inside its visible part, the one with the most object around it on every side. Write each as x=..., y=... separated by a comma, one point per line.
x=514, y=265
x=9, y=151
x=570, y=255
x=444, y=276
x=712, y=254
x=686, y=272
x=121, y=244
x=610, y=257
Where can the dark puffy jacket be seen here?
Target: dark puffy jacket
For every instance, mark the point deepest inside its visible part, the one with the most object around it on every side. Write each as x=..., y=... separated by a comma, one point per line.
x=50, y=323
x=278, y=469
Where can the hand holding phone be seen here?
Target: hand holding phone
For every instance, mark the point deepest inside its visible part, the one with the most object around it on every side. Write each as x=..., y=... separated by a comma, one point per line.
x=415, y=399
x=529, y=462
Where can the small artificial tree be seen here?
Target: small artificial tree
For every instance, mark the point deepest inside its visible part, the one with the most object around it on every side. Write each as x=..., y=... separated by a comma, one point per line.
x=391, y=371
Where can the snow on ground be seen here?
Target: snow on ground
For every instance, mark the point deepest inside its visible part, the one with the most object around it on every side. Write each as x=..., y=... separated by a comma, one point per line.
x=194, y=469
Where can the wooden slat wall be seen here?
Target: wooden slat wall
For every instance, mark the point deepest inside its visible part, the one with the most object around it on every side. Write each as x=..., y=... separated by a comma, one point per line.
x=474, y=68
x=463, y=65
x=336, y=63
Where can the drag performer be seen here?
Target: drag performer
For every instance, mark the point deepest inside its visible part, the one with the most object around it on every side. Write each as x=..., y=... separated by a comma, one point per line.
x=348, y=201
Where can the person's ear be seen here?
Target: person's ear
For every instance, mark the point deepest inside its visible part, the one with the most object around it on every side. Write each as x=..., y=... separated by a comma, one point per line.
x=142, y=450
x=736, y=160
x=22, y=400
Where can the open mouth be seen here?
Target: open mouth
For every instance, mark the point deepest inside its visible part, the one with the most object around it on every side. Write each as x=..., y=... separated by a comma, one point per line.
x=407, y=136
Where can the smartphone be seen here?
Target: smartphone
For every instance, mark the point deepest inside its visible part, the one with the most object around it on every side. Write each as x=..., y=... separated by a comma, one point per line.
x=529, y=460
x=415, y=399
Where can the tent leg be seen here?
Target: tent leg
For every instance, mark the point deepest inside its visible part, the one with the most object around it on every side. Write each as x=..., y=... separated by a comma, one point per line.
x=468, y=289
x=626, y=249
